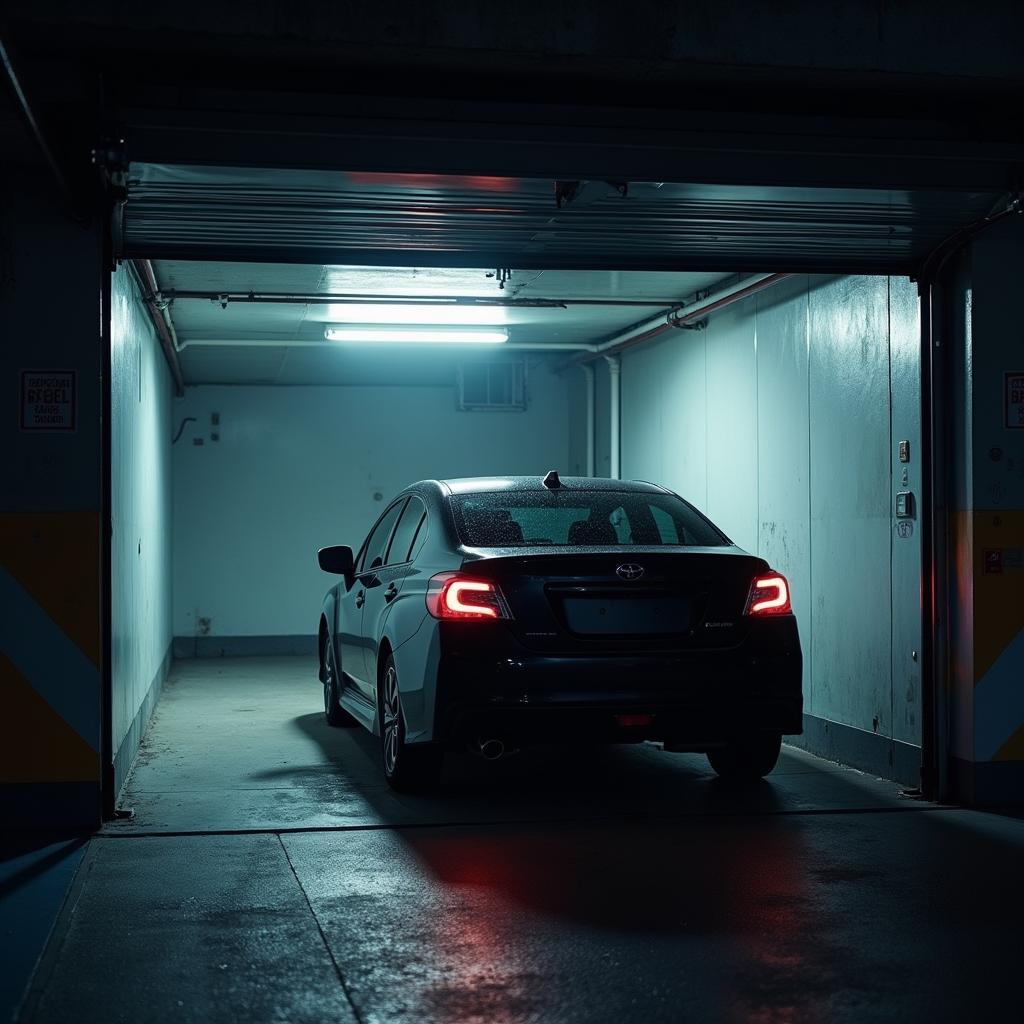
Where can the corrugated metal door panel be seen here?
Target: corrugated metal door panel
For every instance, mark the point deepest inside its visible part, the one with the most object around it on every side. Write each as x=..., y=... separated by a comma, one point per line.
x=370, y=219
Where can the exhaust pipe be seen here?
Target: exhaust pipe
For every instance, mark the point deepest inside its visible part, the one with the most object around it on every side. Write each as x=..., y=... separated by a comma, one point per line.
x=490, y=749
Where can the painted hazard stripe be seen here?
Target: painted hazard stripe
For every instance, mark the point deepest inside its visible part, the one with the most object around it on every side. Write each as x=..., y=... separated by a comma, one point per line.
x=999, y=701
x=58, y=670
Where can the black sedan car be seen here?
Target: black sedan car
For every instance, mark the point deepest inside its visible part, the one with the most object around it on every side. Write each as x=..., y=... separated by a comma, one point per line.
x=493, y=613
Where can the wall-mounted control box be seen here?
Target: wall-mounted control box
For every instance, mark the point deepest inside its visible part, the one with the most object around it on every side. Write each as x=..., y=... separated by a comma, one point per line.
x=904, y=505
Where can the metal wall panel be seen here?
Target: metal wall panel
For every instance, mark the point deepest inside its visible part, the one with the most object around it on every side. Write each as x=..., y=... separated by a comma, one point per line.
x=643, y=444
x=905, y=354
x=140, y=541
x=783, y=471
x=683, y=373
x=850, y=640
x=576, y=396
x=732, y=424
x=602, y=420
x=664, y=414
x=788, y=400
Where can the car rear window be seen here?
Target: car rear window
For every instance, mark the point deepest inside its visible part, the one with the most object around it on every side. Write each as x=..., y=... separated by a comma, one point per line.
x=506, y=519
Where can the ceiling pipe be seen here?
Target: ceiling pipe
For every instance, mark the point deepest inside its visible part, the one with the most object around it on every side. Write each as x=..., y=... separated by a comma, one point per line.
x=327, y=299
x=162, y=322
x=683, y=315
x=540, y=347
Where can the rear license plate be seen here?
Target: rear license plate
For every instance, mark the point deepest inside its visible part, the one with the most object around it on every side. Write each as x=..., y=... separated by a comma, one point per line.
x=626, y=616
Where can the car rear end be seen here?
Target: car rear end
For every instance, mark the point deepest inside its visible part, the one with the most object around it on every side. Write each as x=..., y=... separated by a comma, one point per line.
x=688, y=643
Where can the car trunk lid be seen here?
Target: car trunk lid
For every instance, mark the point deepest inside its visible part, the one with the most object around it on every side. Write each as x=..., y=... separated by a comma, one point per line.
x=566, y=600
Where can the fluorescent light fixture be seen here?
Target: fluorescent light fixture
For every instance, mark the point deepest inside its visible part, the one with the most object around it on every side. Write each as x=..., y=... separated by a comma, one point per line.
x=418, y=335
x=428, y=314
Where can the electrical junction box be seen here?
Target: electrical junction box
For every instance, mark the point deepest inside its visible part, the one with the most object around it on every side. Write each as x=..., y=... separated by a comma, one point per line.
x=904, y=505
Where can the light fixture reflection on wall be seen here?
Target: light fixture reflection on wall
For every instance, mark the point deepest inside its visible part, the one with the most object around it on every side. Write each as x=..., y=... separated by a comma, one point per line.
x=419, y=335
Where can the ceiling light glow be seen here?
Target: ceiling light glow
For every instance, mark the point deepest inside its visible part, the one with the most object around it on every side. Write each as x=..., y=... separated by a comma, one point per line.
x=415, y=313
x=418, y=335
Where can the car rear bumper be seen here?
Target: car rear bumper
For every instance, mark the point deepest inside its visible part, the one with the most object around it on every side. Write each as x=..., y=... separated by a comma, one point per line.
x=490, y=685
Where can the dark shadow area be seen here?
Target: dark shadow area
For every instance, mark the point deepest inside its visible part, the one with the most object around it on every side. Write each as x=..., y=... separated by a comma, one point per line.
x=1007, y=810
x=575, y=783
x=563, y=783
x=36, y=872
x=36, y=854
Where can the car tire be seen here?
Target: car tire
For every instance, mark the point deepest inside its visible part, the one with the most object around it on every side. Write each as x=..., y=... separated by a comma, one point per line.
x=746, y=758
x=408, y=767
x=335, y=714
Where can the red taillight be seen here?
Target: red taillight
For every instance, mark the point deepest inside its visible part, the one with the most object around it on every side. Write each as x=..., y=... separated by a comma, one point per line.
x=450, y=595
x=769, y=595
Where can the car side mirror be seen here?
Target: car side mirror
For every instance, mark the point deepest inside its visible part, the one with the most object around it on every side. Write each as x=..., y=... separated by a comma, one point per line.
x=337, y=559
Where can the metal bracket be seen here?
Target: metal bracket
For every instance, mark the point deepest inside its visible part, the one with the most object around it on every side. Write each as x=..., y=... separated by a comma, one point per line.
x=111, y=158
x=686, y=325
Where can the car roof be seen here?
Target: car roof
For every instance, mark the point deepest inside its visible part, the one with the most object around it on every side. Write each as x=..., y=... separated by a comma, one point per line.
x=482, y=484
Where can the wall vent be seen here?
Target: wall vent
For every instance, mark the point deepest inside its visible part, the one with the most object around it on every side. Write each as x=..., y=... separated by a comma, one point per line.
x=498, y=386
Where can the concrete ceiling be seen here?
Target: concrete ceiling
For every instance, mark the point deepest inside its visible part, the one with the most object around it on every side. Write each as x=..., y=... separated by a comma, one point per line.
x=255, y=342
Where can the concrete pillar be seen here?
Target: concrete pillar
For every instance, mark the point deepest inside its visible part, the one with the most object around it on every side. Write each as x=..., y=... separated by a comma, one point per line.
x=987, y=529
x=51, y=537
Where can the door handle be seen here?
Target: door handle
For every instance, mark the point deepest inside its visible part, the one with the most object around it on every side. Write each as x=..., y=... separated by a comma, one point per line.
x=360, y=598
x=391, y=593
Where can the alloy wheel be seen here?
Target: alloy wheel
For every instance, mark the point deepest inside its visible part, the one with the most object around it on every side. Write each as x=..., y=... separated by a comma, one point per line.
x=328, y=663
x=391, y=708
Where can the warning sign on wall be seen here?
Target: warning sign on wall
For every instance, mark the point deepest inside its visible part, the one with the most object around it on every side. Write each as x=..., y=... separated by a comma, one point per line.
x=1015, y=400
x=48, y=400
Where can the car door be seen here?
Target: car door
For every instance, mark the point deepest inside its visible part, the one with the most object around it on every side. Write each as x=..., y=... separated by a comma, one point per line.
x=351, y=605
x=385, y=584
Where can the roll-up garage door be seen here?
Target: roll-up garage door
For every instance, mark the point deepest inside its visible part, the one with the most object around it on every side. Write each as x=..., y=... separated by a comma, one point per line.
x=318, y=216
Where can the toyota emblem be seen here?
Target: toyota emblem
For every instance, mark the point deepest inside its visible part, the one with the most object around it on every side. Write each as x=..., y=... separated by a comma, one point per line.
x=630, y=571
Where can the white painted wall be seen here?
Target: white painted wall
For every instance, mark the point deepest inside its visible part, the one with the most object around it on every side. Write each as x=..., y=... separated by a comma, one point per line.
x=777, y=422
x=141, y=393
x=297, y=468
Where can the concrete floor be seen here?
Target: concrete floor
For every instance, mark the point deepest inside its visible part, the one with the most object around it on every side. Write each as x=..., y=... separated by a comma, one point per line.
x=269, y=875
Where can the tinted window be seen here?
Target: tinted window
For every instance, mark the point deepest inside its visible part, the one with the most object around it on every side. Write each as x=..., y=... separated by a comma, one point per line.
x=666, y=525
x=401, y=542
x=580, y=519
x=421, y=536
x=377, y=542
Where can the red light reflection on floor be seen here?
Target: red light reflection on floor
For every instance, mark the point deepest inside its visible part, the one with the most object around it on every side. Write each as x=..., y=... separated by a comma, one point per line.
x=736, y=896
x=485, y=978
x=784, y=972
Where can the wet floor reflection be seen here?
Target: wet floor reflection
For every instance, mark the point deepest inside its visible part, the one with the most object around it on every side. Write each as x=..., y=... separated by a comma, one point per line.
x=674, y=908
x=622, y=884
x=650, y=909
x=717, y=903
